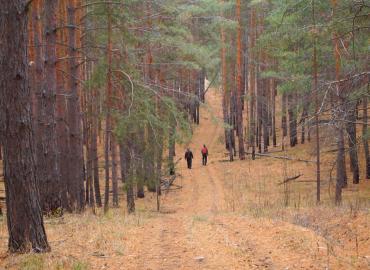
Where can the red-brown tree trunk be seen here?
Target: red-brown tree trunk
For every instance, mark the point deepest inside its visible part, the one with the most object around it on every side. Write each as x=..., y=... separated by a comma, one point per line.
x=317, y=106
x=252, y=82
x=108, y=108
x=226, y=94
x=47, y=153
x=61, y=103
x=114, y=172
x=76, y=163
x=352, y=142
x=94, y=147
x=365, y=136
x=239, y=82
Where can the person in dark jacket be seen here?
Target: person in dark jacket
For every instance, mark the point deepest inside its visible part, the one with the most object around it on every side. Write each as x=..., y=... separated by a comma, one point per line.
x=189, y=157
x=204, y=155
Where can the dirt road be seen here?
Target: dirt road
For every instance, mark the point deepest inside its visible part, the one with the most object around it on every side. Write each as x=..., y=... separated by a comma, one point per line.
x=198, y=227
x=197, y=231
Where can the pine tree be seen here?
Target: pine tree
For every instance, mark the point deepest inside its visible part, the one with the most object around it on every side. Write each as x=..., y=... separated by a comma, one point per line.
x=24, y=216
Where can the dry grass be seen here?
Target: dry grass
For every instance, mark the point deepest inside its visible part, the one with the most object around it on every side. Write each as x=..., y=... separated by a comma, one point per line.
x=81, y=241
x=234, y=209
x=252, y=189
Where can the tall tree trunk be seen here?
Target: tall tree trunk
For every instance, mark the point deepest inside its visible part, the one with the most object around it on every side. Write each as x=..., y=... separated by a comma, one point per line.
x=306, y=105
x=252, y=82
x=317, y=106
x=90, y=174
x=352, y=142
x=341, y=168
x=89, y=112
x=273, y=111
x=365, y=136
x=239, y=76
x=284, y=124
x=108, y=105
x=172, y=145
x=47, y=153
x=150, y=157
x=264, y=115
x=226, y=94
x=76, y=163
x=61, y=102
x=140, y=177
x=292, y=120
x=159, y=157
x=340, y=117
x=124, y=161
x=130, y=179
x=114, y=172
x=94, y=148
x=24, y=216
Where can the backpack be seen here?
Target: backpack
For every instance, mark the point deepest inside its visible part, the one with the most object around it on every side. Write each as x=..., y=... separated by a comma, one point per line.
x=204, y=151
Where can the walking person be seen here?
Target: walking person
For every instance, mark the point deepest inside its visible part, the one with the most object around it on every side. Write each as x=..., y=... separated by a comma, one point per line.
x=204, y=155
x=189, y=157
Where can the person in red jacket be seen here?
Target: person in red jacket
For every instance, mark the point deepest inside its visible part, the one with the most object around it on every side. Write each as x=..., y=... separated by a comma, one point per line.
x=204, y=155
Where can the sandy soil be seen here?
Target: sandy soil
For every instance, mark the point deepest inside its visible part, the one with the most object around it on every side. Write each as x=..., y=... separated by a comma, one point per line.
x=200, y=226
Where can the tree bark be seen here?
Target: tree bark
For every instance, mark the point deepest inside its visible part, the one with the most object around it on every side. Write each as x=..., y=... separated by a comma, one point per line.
x=172, y=145
x=341, y=166
x=47, y=153
x=292, y=120
x=365, y=136
x=273, y=111
x=61, y=103
x=114, y=172
x=252, y=83
x=108, y=109
x=226, y=94
x=130, y=179
x=76, y=163
x=24, y=215
x=352, y=142
x=124, y=161
x=94, y=149
x=284, y=125
x=315, y=89
x=240, y=89
x=306, y=105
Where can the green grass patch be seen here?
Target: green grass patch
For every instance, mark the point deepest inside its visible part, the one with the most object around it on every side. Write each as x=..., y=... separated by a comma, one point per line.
x=200, y=219
x=32, y=262
x=80, y=266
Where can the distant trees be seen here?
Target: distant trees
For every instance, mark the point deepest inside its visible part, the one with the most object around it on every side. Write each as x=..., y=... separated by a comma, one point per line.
x=283, y=60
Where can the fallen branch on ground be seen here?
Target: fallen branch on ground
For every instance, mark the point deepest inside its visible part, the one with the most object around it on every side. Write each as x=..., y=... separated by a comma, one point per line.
x=166, y=183
x=289, y=179
x=177, y=162
x=284, y=157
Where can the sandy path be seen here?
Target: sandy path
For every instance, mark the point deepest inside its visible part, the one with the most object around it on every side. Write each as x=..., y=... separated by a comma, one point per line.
x=195, y=231
x=197, y=227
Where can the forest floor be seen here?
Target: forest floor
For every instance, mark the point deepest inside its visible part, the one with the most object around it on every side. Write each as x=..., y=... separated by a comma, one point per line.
x=224, y=216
